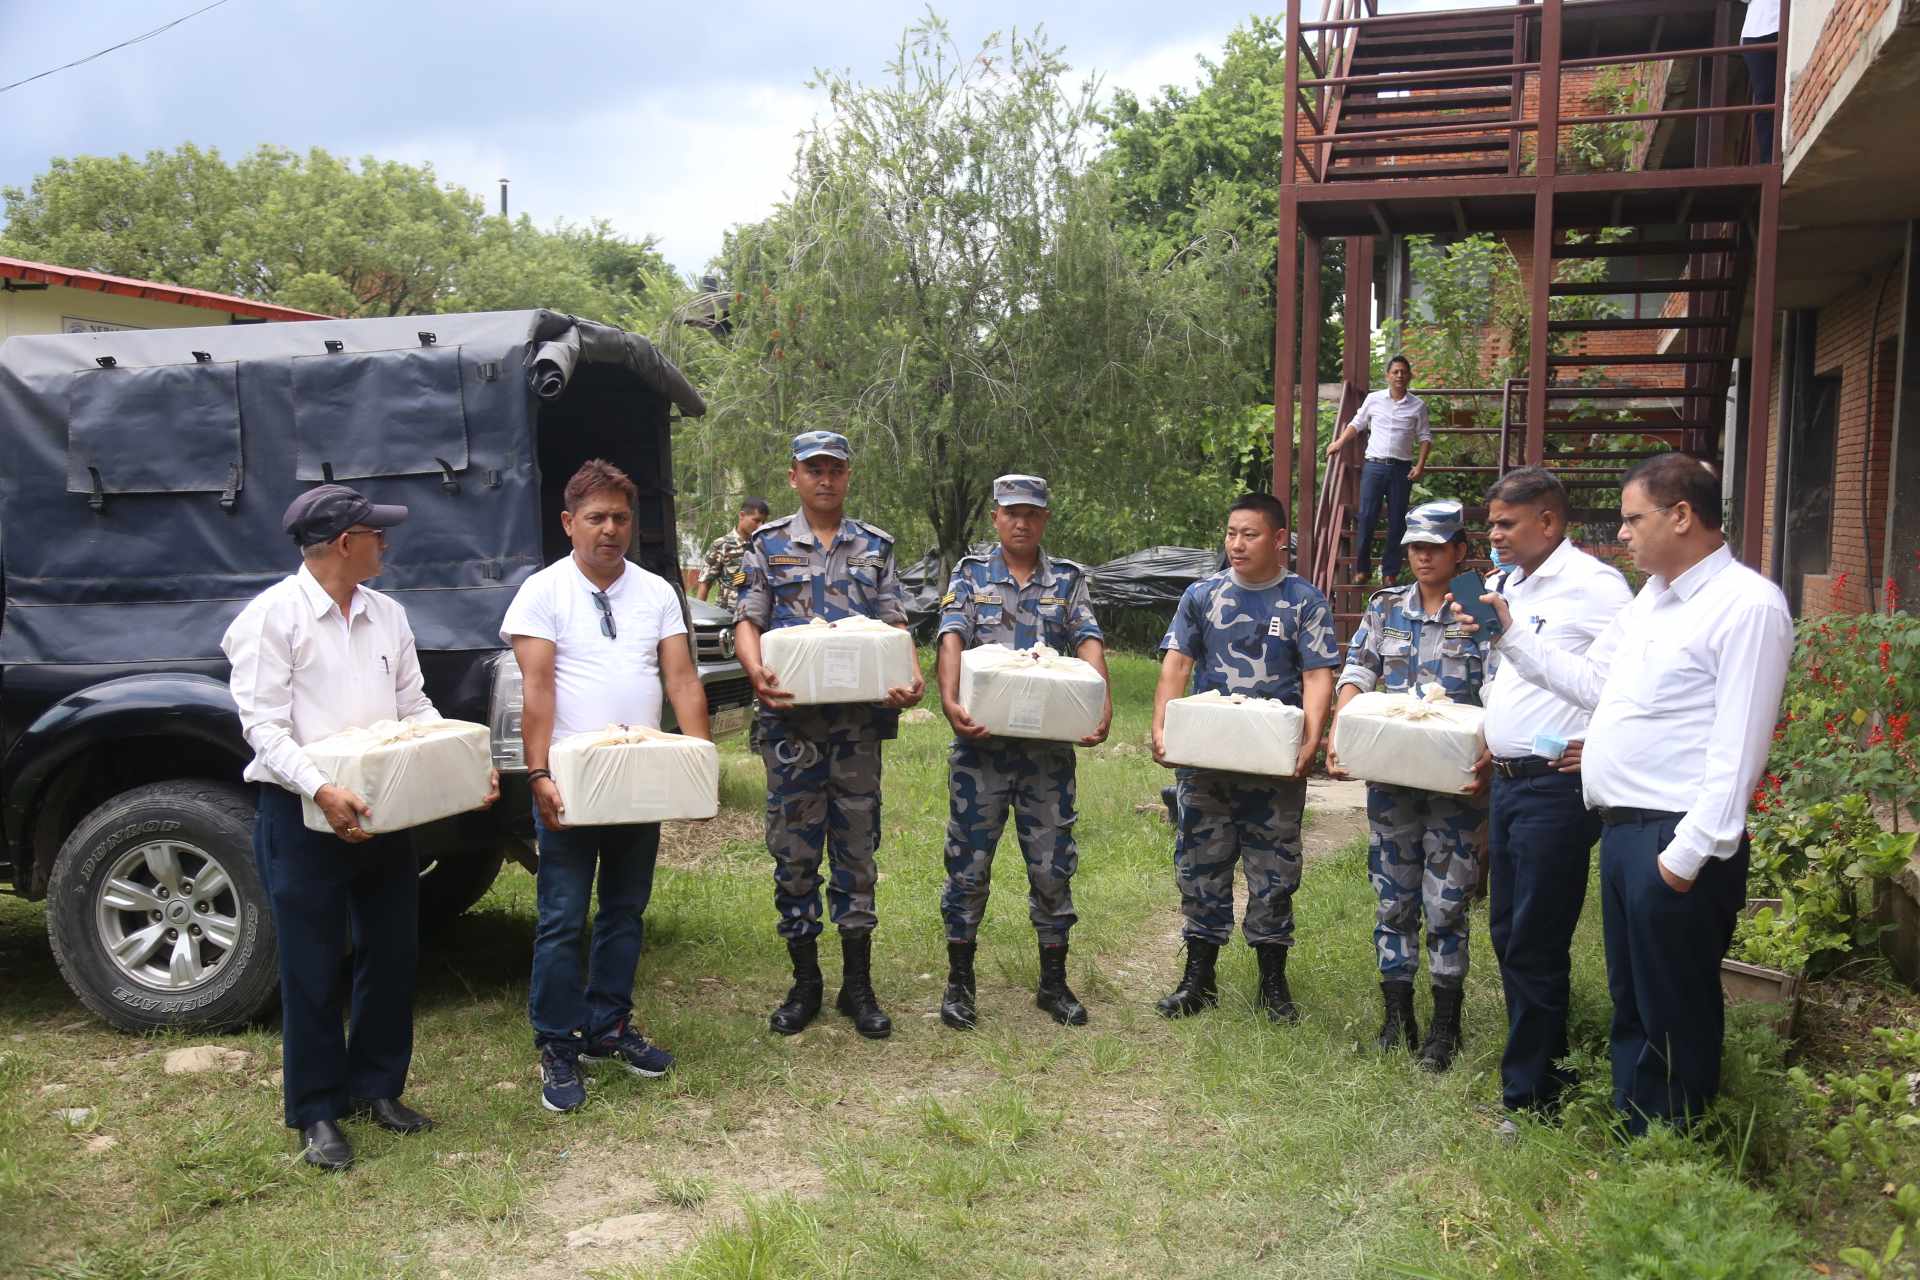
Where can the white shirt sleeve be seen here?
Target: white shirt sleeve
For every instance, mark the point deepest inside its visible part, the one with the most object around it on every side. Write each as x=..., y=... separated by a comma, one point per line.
x=672, y=621
x=530, y=614
x=409, y=685
x=1577, y=677
x=1423, y=425
x=1755, y=645
x=1363, y=416
x=262, y=686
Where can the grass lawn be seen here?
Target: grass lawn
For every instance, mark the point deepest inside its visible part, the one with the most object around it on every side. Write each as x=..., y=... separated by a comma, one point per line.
x=1217, y=1146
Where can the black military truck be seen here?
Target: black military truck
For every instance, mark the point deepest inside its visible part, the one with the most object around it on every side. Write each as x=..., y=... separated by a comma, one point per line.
x=144, y=479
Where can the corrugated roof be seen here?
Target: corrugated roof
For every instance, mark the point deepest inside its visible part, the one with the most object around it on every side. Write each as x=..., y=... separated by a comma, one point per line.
x=96, y=282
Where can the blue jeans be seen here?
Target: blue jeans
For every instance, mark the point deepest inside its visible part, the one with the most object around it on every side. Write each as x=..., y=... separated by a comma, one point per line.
x=564, y=1008
x=1383, y=479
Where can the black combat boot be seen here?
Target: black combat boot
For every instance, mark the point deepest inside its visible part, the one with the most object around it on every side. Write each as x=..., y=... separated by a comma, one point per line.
x=1054, y=996
x=1443, y=1037
x=1275, y=998
x=856, y=998
x=1399, y=1031
x=1196, y=990
x=803, y=1000
x=957, y=1008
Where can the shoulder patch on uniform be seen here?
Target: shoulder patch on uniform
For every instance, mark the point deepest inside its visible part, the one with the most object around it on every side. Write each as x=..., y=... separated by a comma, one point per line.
x=948, y=599
x=739, y=577
x=875, y=530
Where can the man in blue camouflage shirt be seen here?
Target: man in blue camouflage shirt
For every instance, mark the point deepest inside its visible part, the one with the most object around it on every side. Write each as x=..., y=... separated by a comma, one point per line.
x=1423, y=852
x=1018, y=596
x=823, y=762
x=1256, y=629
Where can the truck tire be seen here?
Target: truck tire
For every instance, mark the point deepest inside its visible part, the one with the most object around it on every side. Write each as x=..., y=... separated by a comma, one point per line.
x=156, y=912
x=453, y=882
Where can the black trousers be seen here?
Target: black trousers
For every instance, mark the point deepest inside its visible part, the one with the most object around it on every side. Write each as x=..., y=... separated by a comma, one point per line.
x=1663, y=971
x=324, y=891
x=1540, y=842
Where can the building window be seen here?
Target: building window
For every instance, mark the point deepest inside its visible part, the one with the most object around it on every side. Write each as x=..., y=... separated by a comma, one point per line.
x=1810, y=483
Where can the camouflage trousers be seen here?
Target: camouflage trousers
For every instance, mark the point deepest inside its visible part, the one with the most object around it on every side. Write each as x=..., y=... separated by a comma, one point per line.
x=1422, y=856
x=1035, y=780
x=1224, y=817
x=823, y=797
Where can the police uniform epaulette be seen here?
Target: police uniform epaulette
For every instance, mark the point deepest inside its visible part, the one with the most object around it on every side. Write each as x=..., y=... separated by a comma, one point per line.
x=1385, y=591
x=778, y=522
x=875, y=530
x=971, y=558
x=1071, y=566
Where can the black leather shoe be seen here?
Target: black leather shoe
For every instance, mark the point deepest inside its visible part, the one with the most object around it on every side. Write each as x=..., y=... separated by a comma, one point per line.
x=327, y=1147
x=391, y=1114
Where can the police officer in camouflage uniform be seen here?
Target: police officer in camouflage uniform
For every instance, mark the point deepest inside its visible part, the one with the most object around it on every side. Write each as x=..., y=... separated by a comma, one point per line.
x=1421, y=855
x=1018, y=596
x=1257, y=629
x=823, y=762
x=728, y=550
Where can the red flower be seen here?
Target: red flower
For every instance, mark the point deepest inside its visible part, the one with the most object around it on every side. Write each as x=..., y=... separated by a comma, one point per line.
x=1893, y=595
x=1897, y=726
x=1826, y=632
x=1853, y=632
x=1886, y=647
x=1839, y=590
x=1877, y=737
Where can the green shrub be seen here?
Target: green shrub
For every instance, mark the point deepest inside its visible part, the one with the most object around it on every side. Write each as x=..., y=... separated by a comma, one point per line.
x=1685, y=1220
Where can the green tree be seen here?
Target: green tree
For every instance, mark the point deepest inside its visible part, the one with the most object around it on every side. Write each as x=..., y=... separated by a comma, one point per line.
x=948, y=287
x=316, y=231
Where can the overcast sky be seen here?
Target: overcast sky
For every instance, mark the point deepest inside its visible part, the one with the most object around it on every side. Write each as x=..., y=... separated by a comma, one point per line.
x=669, y=120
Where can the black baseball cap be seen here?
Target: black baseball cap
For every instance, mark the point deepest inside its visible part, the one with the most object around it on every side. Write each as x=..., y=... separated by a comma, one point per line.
x=323, y=513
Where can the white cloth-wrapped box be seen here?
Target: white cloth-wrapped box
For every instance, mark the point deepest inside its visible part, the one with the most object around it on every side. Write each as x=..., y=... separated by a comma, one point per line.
x=1426, y=743
x=409, y=774
x=1231, y=731
x=852, y=660
x=1031, y=693
x=624, y=774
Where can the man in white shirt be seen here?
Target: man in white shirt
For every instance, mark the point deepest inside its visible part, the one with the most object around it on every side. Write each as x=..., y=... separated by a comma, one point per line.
x=1684, y=687
x=314, y=654
x=595, y=637
x=1542, y=834
x=1395, y=420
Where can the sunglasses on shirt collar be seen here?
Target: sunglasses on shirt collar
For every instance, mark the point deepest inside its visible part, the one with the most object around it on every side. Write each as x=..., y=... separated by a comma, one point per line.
x=607, y=628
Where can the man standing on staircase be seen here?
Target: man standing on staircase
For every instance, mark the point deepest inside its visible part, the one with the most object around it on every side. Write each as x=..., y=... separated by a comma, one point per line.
x=1017, y=596
x=1421, y=850
x=1257, y=629
x=1395, y=420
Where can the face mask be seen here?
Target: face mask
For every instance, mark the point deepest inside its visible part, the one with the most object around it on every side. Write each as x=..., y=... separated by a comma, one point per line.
x=1494, y=552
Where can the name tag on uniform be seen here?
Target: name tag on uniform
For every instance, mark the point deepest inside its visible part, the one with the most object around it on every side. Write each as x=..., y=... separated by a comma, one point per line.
x=987, y=597
x=1457, y=632
x=796, y=560
x=1276, y=627
x=867, y=562
x=1395, y=633
x=1051, y=600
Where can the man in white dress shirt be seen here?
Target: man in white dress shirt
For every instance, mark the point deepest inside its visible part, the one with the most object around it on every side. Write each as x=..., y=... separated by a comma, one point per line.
x=595, y=636
x=1542, y=834
x=314, y=654
x=1684, y=687
x=1395, y=421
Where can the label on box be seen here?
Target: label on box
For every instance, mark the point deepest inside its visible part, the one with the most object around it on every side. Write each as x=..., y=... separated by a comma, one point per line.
x=840, y=668
x=1027, y=714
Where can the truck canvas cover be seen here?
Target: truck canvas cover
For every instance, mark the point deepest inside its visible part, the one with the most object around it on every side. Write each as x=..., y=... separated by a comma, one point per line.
x=146, y=472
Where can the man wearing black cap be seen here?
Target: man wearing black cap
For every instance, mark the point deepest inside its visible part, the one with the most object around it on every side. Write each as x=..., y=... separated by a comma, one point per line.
x=314, y=654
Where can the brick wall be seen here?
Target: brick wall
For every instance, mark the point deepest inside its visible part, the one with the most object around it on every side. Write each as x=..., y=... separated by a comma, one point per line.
x=1494, y=345
x=1839, y=41
x=1845, y=346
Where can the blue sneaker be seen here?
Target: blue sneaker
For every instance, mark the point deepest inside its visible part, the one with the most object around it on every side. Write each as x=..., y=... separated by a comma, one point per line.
x=631, y=1050
x=561, y=1088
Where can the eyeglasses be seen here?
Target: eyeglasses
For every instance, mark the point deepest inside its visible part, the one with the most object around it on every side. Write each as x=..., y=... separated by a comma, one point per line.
x=380, y=534
x=607, y=628
x=1633, y=521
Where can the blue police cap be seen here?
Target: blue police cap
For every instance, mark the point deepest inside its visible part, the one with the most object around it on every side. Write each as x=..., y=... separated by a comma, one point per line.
x=1016, y=491
x=1434, y=522
x=326, y=511
x=812, y=444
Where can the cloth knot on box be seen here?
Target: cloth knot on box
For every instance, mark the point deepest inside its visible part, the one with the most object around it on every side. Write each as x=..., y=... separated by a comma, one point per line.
x=409, y=774
x=1428, y=742
x=1031, y=693
x=1234, y=733
x=853, y=659
x=630, y=773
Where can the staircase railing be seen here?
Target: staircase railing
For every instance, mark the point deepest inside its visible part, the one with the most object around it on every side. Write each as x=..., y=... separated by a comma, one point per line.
x=1339, y=496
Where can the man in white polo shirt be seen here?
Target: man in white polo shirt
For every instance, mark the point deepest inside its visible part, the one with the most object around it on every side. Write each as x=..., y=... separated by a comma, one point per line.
x=1684, y=686
x=595, y=637
x=1542, y=834
x=1395, y=420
